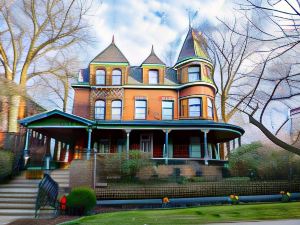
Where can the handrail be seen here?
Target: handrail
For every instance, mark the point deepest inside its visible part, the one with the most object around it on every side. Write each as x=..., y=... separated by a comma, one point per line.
x=47, y=194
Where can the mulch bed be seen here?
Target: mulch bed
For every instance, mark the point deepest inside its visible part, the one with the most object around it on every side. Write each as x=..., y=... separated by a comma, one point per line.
x=61, y=219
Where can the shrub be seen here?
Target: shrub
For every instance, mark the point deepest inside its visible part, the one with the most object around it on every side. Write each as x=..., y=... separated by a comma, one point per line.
x=81, y=200
x=137, y=160
x=181, y=180
x=6, y=163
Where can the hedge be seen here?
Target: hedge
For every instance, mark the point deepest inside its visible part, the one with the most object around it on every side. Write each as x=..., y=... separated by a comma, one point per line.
x=6, y=163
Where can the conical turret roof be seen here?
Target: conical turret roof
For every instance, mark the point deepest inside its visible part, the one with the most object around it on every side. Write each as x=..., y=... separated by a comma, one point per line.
x=153, y=58
x=194, y=46
x=112, y=54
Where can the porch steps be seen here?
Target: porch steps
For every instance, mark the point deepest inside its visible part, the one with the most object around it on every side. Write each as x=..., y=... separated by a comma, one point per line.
x=62, y=177
x=17, y=200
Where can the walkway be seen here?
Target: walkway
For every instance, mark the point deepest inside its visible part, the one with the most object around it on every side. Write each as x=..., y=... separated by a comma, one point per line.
x=268, y=222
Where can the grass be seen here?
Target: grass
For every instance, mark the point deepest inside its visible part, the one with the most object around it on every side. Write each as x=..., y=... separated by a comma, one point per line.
x=195, y=215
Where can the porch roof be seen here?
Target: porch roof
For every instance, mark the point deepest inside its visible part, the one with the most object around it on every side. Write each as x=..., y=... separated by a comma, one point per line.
x=219, y=132
x=55, y=118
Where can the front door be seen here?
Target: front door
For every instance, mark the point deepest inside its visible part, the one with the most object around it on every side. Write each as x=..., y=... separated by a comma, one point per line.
x=146, y=143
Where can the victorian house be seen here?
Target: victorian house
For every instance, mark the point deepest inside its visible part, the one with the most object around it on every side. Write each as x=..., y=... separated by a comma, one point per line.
x=168, y=112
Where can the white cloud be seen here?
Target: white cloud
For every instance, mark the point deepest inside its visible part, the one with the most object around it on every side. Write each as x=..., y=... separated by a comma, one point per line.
x=139, y=24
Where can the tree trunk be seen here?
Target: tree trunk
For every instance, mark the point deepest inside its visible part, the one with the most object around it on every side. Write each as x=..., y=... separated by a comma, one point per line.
x=13, y=113
x=272, y=137
x=66, y=95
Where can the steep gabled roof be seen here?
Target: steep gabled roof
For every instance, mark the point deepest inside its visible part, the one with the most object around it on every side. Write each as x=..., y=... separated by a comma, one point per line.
x=112, y=54
x=194, y=46
x=153, y=58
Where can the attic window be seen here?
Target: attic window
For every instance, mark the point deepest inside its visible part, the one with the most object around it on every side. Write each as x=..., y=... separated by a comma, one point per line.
x=153, y=76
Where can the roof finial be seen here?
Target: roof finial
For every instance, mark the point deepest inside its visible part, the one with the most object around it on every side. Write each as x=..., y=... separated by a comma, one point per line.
x=113, y=39
x=152, y=49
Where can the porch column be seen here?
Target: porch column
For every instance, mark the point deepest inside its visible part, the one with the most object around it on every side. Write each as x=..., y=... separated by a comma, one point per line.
x=206, y=155
x=127, y=143
x=88, y=155
x=166, y=152
x=26, y=147
x=240, y=141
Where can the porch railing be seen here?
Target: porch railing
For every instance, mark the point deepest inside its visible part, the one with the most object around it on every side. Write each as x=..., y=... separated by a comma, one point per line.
x=47, y=194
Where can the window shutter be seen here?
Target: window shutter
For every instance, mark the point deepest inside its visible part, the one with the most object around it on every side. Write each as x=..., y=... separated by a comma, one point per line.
x=184, y=108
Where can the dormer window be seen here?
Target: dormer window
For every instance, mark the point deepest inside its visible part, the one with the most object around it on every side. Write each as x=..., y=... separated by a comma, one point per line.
x=194, y=73
x=153, y=76
x=100, y=77
x=116, y=77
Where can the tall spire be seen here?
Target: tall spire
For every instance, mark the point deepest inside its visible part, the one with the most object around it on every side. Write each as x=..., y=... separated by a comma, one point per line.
x=152, y=50
x=194, y=47
x=113, y=39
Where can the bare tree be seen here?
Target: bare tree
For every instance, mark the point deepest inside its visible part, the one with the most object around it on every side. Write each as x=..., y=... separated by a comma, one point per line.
x=57, y=83
x=230, y=53
x=269, y=75
x=33, y=30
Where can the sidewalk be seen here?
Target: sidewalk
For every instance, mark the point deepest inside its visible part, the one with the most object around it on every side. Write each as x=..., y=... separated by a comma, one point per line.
x=267, y=222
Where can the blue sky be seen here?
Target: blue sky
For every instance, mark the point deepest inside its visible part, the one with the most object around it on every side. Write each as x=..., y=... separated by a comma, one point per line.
x=137, y=24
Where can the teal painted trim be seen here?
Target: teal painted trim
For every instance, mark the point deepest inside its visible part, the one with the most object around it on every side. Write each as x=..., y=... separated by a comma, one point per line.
x=61, y=127
x=176, y=87
x=81, y=85
x=135, y=127
x=191, y=59
x=26, y=121
x=150, y=65
x=109, y=63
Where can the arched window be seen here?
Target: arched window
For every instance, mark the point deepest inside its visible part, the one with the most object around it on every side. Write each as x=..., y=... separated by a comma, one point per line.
x=100, y=77
x=116, y=110
x=116, y=77
x=153, y=76
x=194, y=107
x=99, y=110
x=194, y=73
x=210, y=108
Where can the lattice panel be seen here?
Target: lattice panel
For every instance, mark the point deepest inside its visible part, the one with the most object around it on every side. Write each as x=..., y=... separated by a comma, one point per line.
x=107, y=93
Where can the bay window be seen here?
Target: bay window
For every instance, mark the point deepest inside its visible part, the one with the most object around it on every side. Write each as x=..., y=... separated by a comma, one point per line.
x=195, y=107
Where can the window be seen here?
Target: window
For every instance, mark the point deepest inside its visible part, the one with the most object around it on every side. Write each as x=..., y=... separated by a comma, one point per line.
x=167, y=110
x=140, y=109
x=116, y=109
x=99, y=110
x=153, y=76
x=208, y=71
x=194, y=107
x=194, y=73
x=146, y=143
x=100, y=77
x=116, y=77
x=210, y=109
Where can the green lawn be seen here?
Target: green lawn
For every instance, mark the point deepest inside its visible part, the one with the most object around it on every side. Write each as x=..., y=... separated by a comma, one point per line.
x=195, y=215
